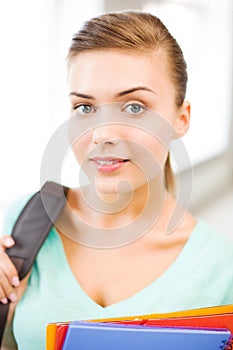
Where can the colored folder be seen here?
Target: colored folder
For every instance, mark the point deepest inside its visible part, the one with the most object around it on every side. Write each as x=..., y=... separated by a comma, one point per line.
x=51, y=330
x=55, y=335
x=86, y=336
x=211, y=319
x=212, y=310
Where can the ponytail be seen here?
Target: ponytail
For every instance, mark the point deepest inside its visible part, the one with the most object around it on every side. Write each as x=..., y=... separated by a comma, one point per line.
x=170, y=182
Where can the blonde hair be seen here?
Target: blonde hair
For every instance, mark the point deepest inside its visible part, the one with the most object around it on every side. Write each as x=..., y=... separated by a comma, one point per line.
x=135, y=30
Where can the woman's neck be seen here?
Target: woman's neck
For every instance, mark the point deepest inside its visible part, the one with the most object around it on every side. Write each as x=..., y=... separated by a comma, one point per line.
x=112, y=210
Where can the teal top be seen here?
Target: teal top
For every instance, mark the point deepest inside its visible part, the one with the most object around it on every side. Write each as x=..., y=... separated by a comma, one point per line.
x=202, y=275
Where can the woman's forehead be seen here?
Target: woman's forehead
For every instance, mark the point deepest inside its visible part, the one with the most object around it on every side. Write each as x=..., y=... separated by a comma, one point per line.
x=121, y=69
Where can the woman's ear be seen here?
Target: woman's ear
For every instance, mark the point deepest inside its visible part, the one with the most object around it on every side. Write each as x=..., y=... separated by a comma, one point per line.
x=182, y=121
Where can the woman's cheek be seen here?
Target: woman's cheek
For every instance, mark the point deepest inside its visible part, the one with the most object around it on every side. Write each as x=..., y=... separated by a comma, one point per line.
x=152, y=146
x=80, y=148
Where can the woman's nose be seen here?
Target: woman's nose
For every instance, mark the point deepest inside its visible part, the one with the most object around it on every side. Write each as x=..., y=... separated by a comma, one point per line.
x=105, y=134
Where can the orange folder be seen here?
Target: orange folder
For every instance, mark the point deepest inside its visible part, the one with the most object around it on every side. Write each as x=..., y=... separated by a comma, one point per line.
x=212, y=310
x=51, y=331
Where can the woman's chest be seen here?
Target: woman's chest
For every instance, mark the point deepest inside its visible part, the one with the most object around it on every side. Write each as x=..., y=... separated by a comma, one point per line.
x=111, y=276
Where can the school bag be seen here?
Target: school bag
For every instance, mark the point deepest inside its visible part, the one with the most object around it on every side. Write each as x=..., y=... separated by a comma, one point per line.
x=30, y=231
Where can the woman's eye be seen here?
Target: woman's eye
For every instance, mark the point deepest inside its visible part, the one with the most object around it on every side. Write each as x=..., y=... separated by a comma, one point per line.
x=134, y=108
x=84, y=109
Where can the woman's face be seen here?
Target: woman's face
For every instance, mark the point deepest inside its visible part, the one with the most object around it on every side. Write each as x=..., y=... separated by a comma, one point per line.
x=124, y=113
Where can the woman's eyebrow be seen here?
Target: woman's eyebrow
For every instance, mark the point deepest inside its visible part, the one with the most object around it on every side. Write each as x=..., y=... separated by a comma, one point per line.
x=78, y=94
x=119, y=94
x=129, y=91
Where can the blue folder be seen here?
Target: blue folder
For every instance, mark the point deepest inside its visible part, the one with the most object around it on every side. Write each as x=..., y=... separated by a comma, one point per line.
x=83, y=335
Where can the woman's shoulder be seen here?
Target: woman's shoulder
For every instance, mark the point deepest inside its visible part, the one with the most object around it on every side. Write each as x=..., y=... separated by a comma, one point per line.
x=212, y=241
x=209, y=231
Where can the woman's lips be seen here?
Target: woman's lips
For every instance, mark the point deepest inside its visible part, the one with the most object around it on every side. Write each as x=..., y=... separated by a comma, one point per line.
x=109, y=164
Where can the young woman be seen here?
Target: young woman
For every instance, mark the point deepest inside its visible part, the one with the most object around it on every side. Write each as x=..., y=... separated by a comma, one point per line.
x=127, y=81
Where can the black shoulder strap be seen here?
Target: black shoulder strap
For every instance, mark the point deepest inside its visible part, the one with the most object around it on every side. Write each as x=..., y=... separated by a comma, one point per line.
x=30, y=231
